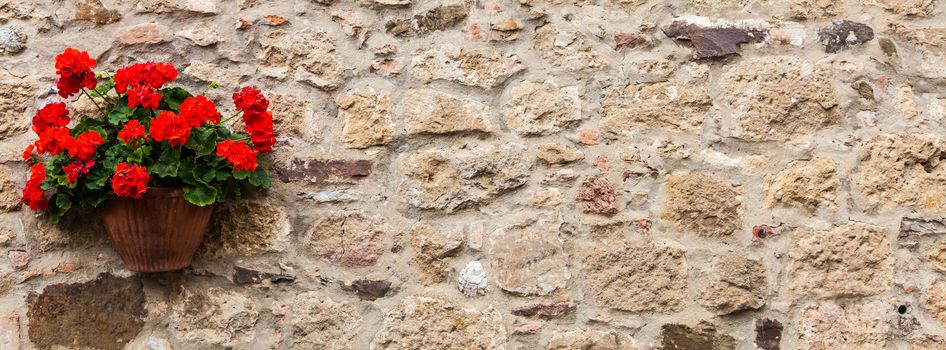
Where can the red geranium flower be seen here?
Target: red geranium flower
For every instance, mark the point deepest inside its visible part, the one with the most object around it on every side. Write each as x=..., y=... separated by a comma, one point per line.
x=260, y=128
x=250, y=100
x=84, y=146
x=130, y=180
x=131, y=131
x=144, y=96
x=28, y=152
x=76, y=169
x=170, y=127
x=198, y=110
x=54, y=141
x=33, y=195
x=237, y=153
x=74, y=68
x=53, y=115
x=150, y=74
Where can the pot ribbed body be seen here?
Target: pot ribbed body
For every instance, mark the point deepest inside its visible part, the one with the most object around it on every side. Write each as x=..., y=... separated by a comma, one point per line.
x=158, y=232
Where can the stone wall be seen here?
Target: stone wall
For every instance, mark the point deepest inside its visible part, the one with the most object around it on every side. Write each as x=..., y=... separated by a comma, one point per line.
x=517, y=174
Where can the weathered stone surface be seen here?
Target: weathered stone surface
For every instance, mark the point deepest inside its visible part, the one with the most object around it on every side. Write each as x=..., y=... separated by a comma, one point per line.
x=15, y=92
x=347, y=238
x=737, y=283
x=200, y=35
x=530, y=258
x=542, y=108
x=293, y=115
x=321, y=172
x=104, y=313
x=212, y=318
x=674, y=106
x=857, y=326
x=843, y=34
x=565, y=49
x=903, y=7
x=424, y=322
x=806, y=9
x=710, y=40
x=12, y=40
x=590, y=339
x=368, y=289
x=637, y=277
x=9, y=193
x=452, y=179
x=902, y=169
x=851, y=260
x=427, y=111
x=305, y=56
x=929, y=43
x=209, y=72
x=472, y=280
x=93, y=10
x=10, y=332
x=431, y=249
x=319, y=322
x=437, y=18
x=921, y=226
x=145, y=33
x=768, y=334
x=705, y=205
x=558, y=153
x=630, y=41
x=934, y=301
x=596, y=195
x=700, y=337
x=204, y=7
x=804, y=184
x=368, y=118
x=775, y=98
x=546, y=311
x=251, y=227
x=935, y=255
x=927, y=342
x=481, y=67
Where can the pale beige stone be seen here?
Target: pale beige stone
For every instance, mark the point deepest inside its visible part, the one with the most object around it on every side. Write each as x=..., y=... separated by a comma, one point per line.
x=250, y=227
x=637, y=277
x=804, y=184
x=209, y=72
x=903, y=7
x=558, y=153
x=428, y=111
x=16, y=93
x=542, y=108
x=347, y=238
x=367, y=116
x=704, y=205
x=902, y=169
x=852, y=260
x=779, y=97
x=481, y=67
x=737, y=283
x=293, y=115
x=922, y=49
x=673, y=106
x=546, y=198
x=450, y=179
x=934, y=301
x=420, y=322
x=318, y=322
x=306, y=56
x=814, y=8
x=10, y=193
x=935, y=255
x=200, y=35
x=856, y=326
x=566, y=49
x=212, y=317
x=530, y=258
x=590, y=340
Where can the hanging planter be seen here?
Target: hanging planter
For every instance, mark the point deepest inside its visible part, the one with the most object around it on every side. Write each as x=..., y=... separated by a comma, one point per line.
x=153, y=160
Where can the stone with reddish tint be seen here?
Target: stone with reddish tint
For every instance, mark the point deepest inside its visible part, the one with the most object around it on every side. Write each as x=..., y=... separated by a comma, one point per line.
x=628, y=41
x=145, y=33
x=597, y=196
x=19, y=259
x=105, y=313
x=368, y=289
x=347, y=238
x=10, y=332
x=530, y=258
x=768, y=334
x=712, y=41
x=546, y=311
x=323, y=171
x=93, y=10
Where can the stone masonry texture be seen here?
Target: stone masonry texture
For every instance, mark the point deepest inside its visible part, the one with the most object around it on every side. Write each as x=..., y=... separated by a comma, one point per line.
x=515, y=175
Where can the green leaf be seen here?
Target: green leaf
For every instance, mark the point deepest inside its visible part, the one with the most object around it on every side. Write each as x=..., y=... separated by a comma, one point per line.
x=241, y=174
x=139, y=154
x=173, y=97
x=203, y=141
x=200, y=195
x=260, y=178
x=168, y=164
x=103, y=88
x=58, y=206
x=97, y=178
x=120, y=113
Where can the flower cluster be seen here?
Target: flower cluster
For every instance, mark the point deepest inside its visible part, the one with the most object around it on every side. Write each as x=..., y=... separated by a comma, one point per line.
x=146, y=134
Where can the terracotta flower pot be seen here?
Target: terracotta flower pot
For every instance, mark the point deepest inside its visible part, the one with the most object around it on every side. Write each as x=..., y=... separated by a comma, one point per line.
x=158, y=232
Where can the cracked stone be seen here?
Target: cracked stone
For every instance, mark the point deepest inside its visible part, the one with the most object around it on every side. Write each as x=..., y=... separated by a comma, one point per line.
x=432, y=247
x=530, y=258
x=347, y=238
x=323, y=171
x=737, y=283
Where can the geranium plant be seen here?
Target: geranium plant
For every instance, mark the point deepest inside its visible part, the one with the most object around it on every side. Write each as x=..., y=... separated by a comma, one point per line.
x=144, y=134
